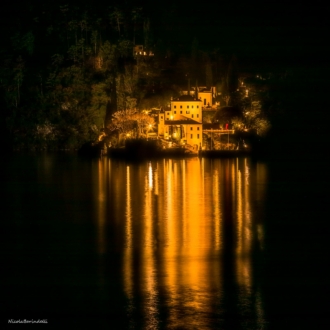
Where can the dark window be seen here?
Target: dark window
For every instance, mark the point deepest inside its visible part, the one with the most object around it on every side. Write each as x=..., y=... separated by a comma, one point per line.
x=191, y=128
x=180, y=111
x=174, y=112
x=191, y=136
x=197, y=136
x=197, y=128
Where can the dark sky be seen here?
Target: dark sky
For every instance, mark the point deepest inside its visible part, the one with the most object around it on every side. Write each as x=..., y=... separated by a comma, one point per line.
x=260, y=30
x=289, y=31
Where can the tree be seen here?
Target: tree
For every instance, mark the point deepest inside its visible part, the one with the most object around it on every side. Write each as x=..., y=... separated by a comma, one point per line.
x=232, y=76
x=116, y=17
x=255, y=120
x=208, y=71
x=144, y=122
x=136, y=18
x=123, y=121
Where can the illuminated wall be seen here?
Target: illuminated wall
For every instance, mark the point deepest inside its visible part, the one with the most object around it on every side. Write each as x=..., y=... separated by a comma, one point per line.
x=189, y=109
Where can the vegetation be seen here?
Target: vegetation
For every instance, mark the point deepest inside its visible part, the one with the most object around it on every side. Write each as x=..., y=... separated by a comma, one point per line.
x=67, y=74
x=65, y=70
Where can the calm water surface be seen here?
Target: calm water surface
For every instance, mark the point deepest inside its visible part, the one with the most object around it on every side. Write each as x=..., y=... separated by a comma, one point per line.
x=168, y=244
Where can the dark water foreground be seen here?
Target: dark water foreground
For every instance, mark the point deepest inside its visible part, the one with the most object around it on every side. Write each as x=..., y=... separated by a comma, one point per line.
x=168, y=244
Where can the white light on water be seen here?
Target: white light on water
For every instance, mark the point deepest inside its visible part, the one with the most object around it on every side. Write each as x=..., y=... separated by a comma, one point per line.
x=150, y=176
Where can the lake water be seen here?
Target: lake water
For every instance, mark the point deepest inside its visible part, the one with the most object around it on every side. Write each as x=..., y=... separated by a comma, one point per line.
x=167, y=244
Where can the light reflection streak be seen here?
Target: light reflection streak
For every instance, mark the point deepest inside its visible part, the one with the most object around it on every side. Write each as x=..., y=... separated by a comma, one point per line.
x=239, y=212
x=260, y=193
x=181, y=239
x=217, y=210
x=150, y=176
x=101, y=207
x=187, y=272
x=148, y=268
x=128, y=272
x=243, y=258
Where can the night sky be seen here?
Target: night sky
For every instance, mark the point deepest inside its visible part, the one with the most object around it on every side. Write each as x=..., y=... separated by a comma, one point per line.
x=248, y=28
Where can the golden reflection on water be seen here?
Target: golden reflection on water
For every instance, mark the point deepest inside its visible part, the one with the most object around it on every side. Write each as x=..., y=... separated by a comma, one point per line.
x=177, y=222
x=101, y=198
x=128, y=273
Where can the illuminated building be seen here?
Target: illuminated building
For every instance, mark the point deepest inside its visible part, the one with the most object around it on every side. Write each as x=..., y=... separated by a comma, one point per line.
x=138, y=50
x=182, y=122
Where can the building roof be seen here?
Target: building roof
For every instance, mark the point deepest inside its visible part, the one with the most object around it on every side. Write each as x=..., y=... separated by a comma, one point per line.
x=187, y=98
x=186, y=121
x=204, y=90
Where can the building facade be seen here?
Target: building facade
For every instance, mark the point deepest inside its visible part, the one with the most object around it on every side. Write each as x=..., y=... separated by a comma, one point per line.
x=182, y=122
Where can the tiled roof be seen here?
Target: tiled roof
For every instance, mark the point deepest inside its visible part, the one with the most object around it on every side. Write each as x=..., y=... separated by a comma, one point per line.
x=187, y=121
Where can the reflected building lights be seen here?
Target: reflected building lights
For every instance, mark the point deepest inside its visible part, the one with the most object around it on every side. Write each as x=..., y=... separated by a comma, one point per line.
x=148, y=267
x=261, y=184
x=248, y=225
x=217, y=210
x=100, y=201
x=239, y=212
x=128, y=272
x=178, y=234
x=150, y=176
x=129, y=233
x=187, y=272
x=101, y=207
x=243, y=260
